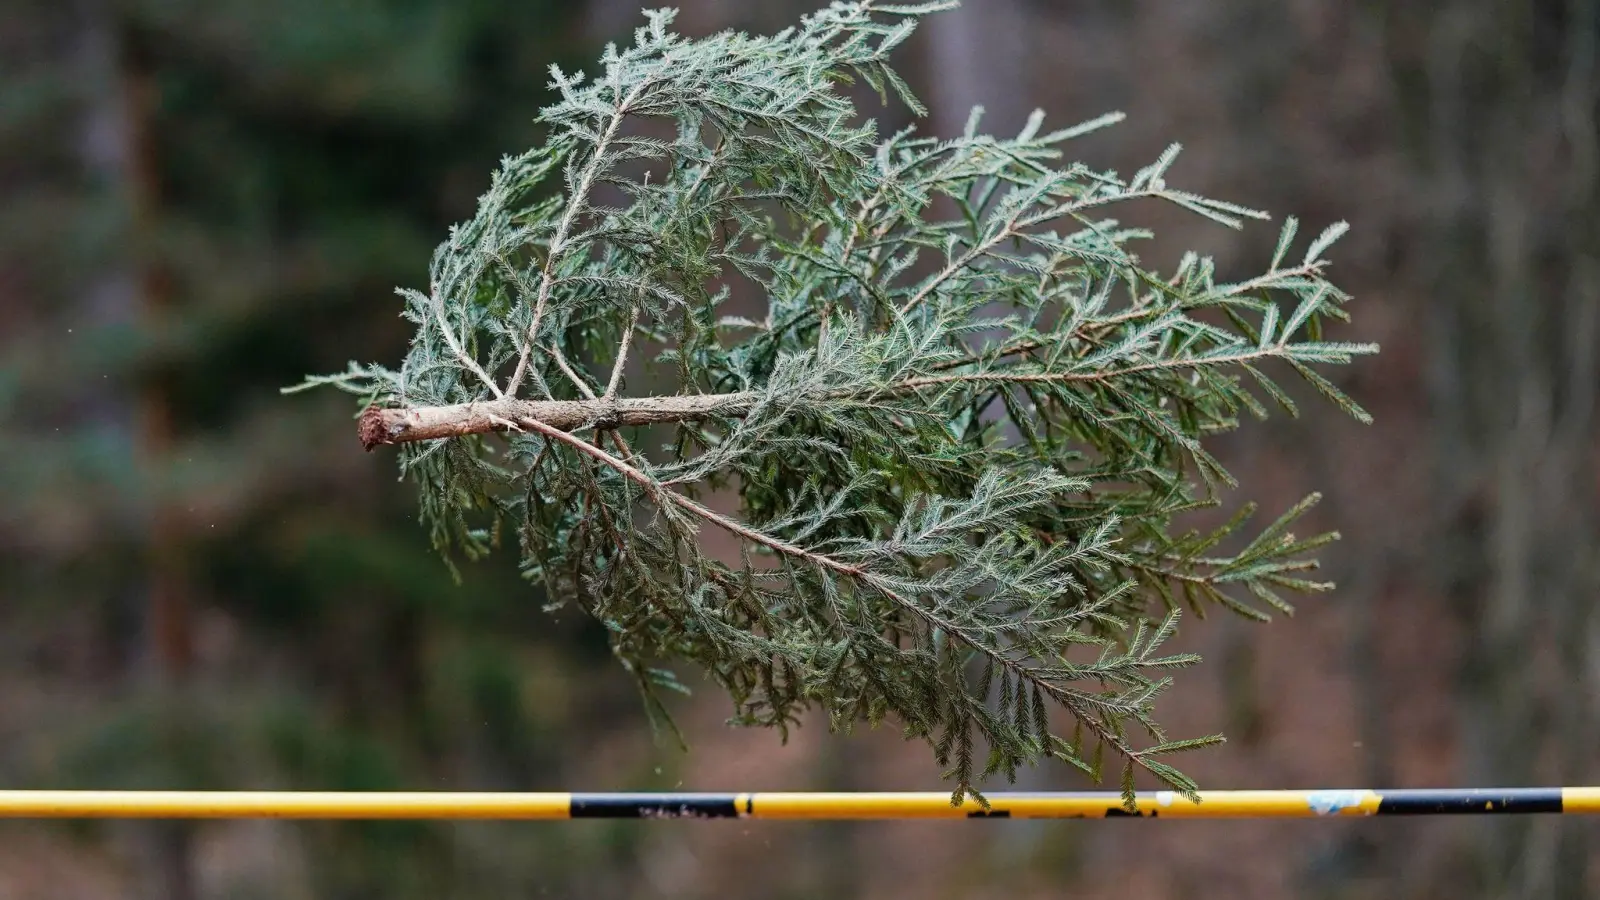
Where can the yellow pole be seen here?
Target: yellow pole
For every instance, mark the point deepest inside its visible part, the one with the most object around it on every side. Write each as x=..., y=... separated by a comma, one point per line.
x=865, y=805
x=278, y=805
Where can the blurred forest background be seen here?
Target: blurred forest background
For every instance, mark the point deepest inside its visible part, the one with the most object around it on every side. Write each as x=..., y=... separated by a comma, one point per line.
x=206, y=584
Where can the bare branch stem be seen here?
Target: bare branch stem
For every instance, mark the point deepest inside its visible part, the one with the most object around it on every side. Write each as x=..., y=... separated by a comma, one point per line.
x=396, y=426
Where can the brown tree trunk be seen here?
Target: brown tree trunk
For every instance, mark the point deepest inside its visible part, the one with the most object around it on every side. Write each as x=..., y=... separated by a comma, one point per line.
x=168, y=625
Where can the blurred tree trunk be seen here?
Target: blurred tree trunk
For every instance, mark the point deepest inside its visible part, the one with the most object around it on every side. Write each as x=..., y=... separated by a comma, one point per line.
x=977, y=57
x=168, y=627
x=184, y=231
x=1501, y=98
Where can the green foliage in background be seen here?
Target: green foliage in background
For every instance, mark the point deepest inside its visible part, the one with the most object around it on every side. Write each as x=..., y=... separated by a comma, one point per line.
x=286, y=146
x=960, y=432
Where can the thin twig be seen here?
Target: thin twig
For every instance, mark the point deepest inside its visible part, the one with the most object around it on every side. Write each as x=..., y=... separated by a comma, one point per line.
x=572, y=376
x=558, y=244
x=1096, y=376
x=454, y=344
x=622, y=355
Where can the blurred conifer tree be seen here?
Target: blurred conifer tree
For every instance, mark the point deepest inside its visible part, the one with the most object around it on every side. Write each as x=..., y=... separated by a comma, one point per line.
x=203, y=199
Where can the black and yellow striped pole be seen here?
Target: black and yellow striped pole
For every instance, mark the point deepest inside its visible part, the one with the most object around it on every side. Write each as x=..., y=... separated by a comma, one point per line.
x=777, y=805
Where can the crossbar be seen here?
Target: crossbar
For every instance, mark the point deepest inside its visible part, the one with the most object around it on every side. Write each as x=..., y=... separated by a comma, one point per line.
x=779, y=805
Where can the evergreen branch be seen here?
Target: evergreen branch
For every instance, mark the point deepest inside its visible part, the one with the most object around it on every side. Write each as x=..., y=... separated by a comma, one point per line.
x=1073, y=701
x=461, y=355
x=575, y=204
x=1222, y=359
x=976, y=468
x=394, y=426
x=1015, y=227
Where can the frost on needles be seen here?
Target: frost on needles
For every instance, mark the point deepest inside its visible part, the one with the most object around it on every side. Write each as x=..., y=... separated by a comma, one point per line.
x=958, y=435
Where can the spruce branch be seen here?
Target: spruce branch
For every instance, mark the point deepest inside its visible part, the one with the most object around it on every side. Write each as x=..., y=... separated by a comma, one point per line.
x=576, y=204
x=393, y=426
x=961, y=444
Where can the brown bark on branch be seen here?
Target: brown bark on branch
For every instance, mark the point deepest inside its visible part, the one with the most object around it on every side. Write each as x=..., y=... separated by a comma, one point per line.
x=397, y=426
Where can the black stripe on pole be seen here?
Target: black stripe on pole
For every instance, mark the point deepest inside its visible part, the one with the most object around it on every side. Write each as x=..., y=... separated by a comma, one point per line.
x=1117, y=812
x=654, y=806
x=1448, y=802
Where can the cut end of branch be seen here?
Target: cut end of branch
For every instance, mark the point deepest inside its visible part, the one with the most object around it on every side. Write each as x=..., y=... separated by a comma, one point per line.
x=375, y=427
